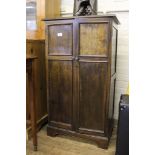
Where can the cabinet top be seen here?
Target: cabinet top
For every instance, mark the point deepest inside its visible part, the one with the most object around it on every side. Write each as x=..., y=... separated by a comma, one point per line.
x=114, y=17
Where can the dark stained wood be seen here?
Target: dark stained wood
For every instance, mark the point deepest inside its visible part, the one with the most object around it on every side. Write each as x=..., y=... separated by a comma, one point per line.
x=37, y=48
x=60, y=91
x=101, y=141
x=114, y=51
x=96, y=45
x=40, y=124
x=112, y=93
x=30, y=74
x=60, y=40
x=92, y=83
x=79, y=82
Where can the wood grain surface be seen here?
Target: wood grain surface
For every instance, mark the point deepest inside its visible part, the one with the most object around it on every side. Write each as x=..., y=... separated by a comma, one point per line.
x=93, y=39
x=78, y=56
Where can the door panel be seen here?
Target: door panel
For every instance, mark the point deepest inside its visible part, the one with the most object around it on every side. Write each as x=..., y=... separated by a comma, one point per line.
x=94, y=39
x=92, y=78
x=60, y=74
x=60, y=92
x=60, y=39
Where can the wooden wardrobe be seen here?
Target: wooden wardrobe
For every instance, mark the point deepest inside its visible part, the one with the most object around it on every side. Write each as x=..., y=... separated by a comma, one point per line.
x=81, y=75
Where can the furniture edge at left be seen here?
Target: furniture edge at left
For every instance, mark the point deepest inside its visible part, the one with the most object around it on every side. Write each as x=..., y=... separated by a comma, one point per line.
x=31, y=80
x=37, y=48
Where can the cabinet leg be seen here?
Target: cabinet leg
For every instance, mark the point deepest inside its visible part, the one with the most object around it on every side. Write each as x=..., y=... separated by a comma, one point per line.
x=35, y=147
x=33, y=107
x=102, y=144
x=51, y=133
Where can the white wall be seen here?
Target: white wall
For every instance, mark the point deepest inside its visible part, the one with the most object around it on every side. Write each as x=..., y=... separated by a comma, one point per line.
x=122, y=59
x=120, y=8
x=103, y=5
x=67, y=6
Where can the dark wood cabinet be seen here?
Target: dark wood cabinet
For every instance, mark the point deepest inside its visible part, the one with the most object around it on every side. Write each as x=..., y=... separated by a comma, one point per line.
x=81, y=72
x=37, y=48
x=30, y=60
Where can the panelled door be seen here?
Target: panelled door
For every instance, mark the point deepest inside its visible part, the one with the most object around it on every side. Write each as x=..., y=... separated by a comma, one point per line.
x=60, y=74
x=92, y=74
x=77, y=74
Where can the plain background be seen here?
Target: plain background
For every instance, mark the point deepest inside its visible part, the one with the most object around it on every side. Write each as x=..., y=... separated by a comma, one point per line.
x=13, y=77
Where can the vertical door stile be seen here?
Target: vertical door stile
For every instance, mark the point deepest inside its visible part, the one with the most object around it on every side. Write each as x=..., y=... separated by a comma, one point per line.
x=78, y=71
x=74, y=79
x=75, y=75
x=46, y=68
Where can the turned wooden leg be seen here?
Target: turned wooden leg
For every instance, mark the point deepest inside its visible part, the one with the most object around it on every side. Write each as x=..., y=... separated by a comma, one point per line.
x=33, y=107
x=35, y=148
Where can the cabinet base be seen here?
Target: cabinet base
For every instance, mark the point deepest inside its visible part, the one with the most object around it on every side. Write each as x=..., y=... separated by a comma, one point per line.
x=102, y=142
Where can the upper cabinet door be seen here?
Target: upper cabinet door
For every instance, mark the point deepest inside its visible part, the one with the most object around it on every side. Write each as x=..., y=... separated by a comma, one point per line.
x=60, y=39
x=93, y=39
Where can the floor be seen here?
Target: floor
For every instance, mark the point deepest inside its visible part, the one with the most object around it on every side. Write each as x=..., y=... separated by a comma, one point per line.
x=64, y=145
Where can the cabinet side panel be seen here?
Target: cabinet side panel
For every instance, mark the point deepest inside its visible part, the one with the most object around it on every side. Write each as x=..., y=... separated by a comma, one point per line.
x=114, y=51
x=112, y=99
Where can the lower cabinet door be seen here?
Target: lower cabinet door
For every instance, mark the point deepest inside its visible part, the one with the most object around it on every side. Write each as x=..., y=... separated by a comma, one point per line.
x=60, y=101
x=92, y=93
